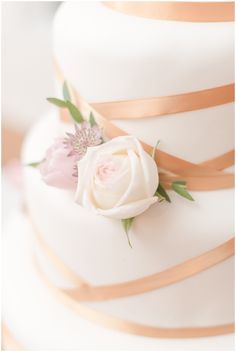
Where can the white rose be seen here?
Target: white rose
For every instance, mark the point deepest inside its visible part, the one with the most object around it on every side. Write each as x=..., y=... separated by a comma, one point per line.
x=117, y=179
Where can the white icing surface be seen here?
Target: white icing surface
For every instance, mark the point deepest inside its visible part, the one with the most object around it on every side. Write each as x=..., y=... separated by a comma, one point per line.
x=39, y=321
x=134, y=57
x=109, y=56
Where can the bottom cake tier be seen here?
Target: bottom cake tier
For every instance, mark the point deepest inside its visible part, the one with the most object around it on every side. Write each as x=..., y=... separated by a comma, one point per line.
x=38, y=320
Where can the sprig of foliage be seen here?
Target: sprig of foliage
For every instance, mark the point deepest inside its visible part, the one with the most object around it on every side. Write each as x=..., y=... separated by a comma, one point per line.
x=162, y=194
x=58, y=102
x=92, y=120
x=181, y=188
x=66, y=92
x=75, y=113
x=66, y=103
x=34, y=164
x=127, y=223
x=178, y=186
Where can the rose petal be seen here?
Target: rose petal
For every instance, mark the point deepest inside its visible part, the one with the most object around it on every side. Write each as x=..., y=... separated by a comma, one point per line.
x=128, y=210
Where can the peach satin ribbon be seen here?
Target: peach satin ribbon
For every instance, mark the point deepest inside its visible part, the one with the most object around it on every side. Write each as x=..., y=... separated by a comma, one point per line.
x=160, y=106
x=206, y=176
x=129, y=327
x=176, y=11
x=86, y=292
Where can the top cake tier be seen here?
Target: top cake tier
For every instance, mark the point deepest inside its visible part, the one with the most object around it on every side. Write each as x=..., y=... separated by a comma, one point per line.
x=108, y=56
x=135, y=57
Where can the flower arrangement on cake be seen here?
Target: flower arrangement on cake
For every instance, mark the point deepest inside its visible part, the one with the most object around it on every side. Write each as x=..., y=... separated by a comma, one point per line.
x=116, y=178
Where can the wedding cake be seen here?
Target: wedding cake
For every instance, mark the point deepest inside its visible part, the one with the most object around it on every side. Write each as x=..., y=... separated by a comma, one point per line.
x=111, y=256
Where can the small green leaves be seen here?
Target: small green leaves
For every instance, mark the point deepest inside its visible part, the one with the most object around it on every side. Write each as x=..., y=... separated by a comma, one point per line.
x=162, y=194
x=66, y=92
x=66, y=103
x=57, y=102
x=177, y=186
x=182, y=183
x=153, y=155
x=75, y=113
x=92, y=120
x=34, y=164
x=127, y=223
x=180, y=188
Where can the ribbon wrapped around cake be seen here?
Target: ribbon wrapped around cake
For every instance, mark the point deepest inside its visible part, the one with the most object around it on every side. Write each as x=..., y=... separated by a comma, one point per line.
x=173, y=173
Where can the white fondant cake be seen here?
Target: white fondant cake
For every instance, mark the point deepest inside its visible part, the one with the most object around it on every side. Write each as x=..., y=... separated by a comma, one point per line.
x=38, y=321
x=125, y=57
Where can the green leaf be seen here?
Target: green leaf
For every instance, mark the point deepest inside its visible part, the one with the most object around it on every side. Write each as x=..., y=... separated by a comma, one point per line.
x=34, y=164
x=75, y=113
x=162, y=194
x=183, y=183
x=180, y=188
x=92, y=120
x=66, y=92
x=154, y=149
x=127, y=223
x=57, y=102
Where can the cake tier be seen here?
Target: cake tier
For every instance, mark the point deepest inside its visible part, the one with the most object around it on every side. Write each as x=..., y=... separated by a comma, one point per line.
x=110, y=56
x=38, y=321
x=96, y=248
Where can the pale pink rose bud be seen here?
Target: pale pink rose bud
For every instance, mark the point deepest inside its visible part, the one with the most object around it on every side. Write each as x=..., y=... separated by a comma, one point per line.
x=58, y=168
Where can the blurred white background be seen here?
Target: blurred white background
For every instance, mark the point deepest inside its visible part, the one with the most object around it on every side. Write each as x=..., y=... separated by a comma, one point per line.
x=27, y=79
x=27, y=76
